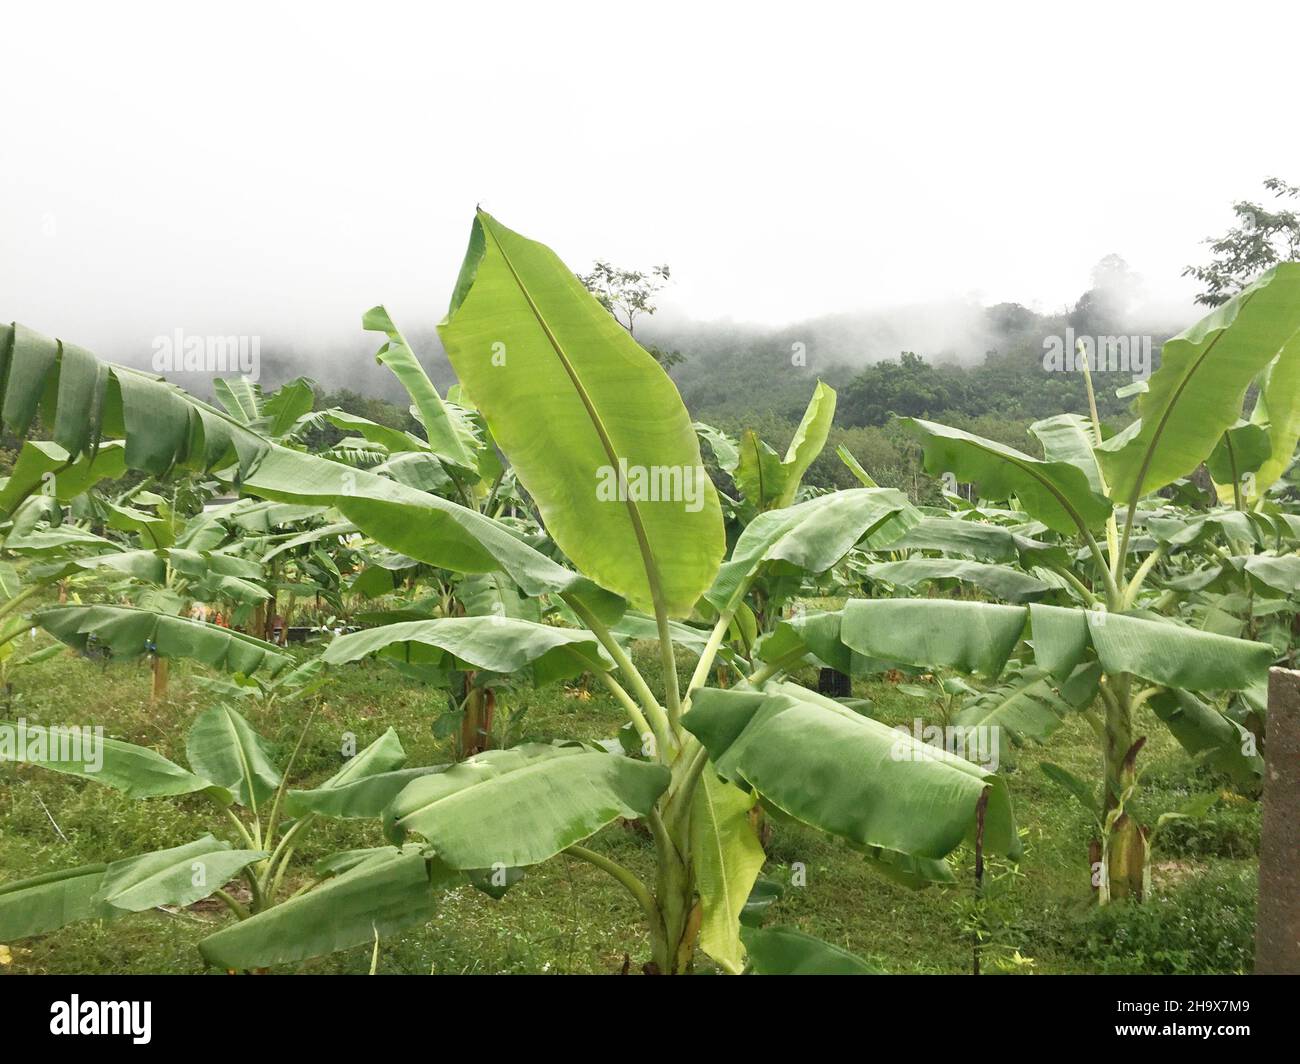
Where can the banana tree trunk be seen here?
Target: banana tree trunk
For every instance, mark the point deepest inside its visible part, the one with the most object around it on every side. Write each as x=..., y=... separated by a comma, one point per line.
x=672, y=943
x=476, y=723
x=1124, y=842
x=159, y=691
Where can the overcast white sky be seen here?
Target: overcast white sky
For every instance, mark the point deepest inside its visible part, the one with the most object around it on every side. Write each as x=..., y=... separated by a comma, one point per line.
x=279, y=168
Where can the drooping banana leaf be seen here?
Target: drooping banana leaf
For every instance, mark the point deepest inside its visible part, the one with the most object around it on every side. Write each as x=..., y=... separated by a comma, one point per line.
x=584, y=412
x=971, y=636
x=136, y=771
x=84, y=400
x=383, y=892
x=45, y=903
x=44, y=466
x=1202, y=730
x=985, y=542
x=846, y=774
x=1241, y=450
x=364, y=786
x=394, y=440
x=1276, y=573
x=979, y=637
x=1027, y=706
x=181, y=875
x=363, y=798
x=513, y=808
x=812, y=632
x=128, y=632
x=726, y=452
x=1175, y=656
x=999, y=580
x=495, y=644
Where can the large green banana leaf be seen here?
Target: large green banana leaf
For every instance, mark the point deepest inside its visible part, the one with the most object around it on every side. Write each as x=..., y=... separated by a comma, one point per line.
x=127, y=632
x=1276, y=573
x=181, y=875
x=495, y=644
x=136, y=771
x=513, y=808
x=40, y=542
x=223, y=747
x=1183, y=658
x=50, y=901
x=971, y=636
x=727, y=858
x=849, y=775
x=813, y=535
x=337, y=529
x=1240, y=450
x=385, y=892
x=421, y=526
x=572, y=400
x=1196, y=394
x=286, y=408
x=1057, y=493
x=145, y=566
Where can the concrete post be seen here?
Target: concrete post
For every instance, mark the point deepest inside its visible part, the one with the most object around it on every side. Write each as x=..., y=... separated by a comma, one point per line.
x=1277, y=927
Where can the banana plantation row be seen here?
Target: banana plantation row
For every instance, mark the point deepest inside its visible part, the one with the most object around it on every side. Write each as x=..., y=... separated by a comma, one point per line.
x=551, y=513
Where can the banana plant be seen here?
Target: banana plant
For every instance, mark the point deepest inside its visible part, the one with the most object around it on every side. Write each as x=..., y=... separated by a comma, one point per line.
x=588, y=420
x=764, y=480
x=235, y=768
x=1093, y=493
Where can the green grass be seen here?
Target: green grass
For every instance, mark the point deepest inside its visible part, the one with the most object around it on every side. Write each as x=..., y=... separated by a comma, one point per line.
x=567, y=916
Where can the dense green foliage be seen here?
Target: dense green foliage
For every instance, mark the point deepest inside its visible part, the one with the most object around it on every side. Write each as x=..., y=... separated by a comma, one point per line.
x=550, y=520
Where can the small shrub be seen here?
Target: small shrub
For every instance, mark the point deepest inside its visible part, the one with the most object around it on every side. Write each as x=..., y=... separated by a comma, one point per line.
x=1205, y=925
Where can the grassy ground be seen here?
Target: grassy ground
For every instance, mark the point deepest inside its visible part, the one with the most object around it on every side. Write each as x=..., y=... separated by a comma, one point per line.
x=567, y=916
